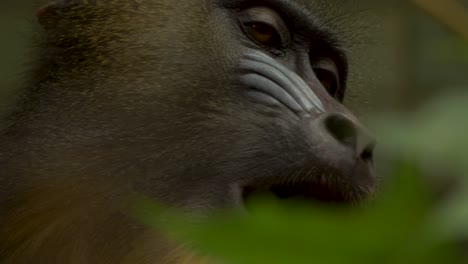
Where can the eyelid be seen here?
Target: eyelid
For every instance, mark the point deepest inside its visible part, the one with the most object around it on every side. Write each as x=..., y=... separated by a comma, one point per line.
x=328, y=65
x=269, y=17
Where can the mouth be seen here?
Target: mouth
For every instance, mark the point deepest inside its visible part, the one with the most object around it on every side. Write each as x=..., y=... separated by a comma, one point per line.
x=308, y=192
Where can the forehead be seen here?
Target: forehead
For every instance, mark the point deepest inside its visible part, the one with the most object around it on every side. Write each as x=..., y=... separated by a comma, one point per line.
x=344, y=17
x=347, y=19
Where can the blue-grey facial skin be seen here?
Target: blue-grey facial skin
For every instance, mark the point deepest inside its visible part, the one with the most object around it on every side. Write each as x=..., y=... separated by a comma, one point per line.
x=335, y=136
x=275, y=84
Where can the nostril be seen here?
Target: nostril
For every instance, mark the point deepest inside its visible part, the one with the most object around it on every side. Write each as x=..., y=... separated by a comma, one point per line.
x=342, y=129
x=368, y=153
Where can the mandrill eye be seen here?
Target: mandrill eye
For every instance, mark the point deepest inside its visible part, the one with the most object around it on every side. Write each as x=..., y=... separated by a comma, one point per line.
x=265, y=27
x=327, y=73
x=264, y=34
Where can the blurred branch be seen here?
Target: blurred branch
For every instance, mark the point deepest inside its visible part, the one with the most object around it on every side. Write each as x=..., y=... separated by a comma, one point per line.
x=449, y=12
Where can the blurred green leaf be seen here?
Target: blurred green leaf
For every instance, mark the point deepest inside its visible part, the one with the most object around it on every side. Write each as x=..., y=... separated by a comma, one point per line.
x=391, y=231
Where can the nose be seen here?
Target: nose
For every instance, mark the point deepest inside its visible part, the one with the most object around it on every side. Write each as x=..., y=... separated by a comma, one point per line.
x=350, y=134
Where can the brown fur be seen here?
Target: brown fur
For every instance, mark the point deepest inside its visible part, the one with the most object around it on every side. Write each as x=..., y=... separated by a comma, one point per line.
x=77, y=223
x=80, y=218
